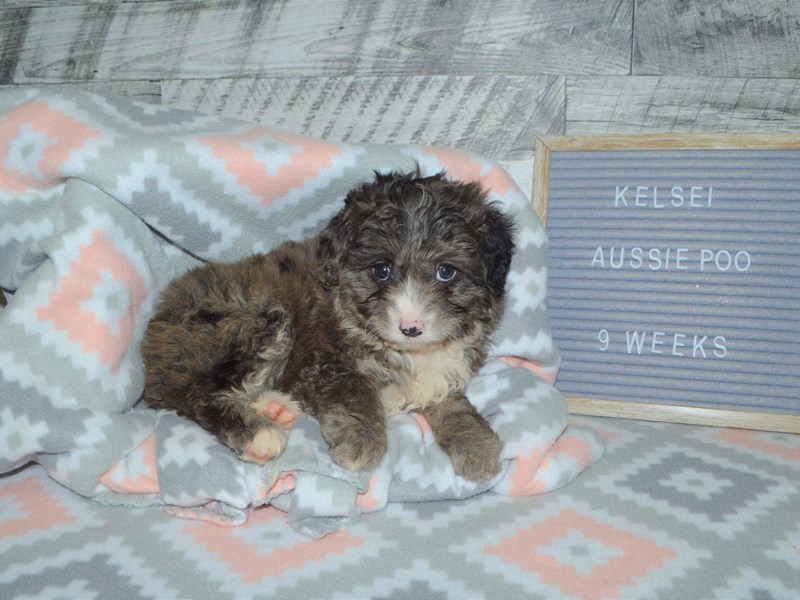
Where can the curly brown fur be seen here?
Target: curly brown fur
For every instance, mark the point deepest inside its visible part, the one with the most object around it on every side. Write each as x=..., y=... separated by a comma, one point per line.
x=389, y=309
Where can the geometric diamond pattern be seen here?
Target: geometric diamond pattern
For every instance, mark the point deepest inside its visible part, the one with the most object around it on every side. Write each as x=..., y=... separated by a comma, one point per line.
x=578, y=549
x=461, y=166
x=265, y=556
x=97, y=301
x=430, y=518
x=25, y=435
x=114, y=199
x=259, y=159
x=184, y=217
x=699, y=487
x=268, y=555
x=781, y=448
x=38, y=140
x=751, y=584
x=583, y=540
x=27, y=150
x=578, y=552
x=418, y=580
x=787, y=549
x=112, y=570
x=136, y=473
x=707, y=491
x=670, y=512
x=27, y=507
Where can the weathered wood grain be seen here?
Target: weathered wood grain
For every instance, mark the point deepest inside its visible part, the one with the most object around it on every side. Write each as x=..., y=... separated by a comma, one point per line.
x=717, y=38
x=34, y=3
x=205, y=39
x=144, y=91
x=601, y=105
x=498, y=116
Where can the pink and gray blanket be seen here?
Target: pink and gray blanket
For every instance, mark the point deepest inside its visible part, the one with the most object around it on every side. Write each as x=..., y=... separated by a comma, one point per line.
x=103, y=201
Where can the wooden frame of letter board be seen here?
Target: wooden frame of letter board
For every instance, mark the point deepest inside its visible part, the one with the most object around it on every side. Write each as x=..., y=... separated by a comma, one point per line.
x=655, y=411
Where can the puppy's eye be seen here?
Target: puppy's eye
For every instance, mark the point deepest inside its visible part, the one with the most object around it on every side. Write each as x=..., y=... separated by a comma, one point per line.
x=382, y=271
x=445, y=273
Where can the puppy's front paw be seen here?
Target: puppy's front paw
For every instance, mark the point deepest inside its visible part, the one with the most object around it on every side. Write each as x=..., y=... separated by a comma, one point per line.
x=355, y=445
x=362, y=454
x=268, y=443
x=278, y=408
x=475, y=455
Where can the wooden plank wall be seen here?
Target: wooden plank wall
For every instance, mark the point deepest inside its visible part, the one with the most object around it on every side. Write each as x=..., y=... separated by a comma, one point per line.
x=487, y=75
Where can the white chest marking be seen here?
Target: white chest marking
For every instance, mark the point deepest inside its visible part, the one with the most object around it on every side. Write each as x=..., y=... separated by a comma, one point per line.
x=428, y=378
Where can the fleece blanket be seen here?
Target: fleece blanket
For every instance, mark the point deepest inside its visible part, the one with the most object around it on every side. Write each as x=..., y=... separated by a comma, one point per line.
x=103, y=201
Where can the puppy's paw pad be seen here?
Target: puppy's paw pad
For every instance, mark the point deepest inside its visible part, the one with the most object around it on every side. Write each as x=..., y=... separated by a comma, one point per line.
x=267, y=444
x=278, y=408
x=280, y=414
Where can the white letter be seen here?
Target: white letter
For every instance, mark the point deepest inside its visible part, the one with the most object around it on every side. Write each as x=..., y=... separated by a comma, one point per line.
x=676, y=344
x=636, y=258
x=720, y=350
x=657, y=335
x=746, y=266
x=677, y=197
x=695, y=195
x=655, y=259
x=727, y=255
x=634, y=339
x=698, y=346
x=655, y=198
x=641, y=194
x=598, y=258
x=620, y=197
x=680, y=257
x=621, y=258
x=705, y=256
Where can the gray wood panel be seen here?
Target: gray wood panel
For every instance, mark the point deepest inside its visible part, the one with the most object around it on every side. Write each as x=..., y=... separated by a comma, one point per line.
x=168, y=40
x=487, y=75
x=608, y=105
x=717, y=38
x=144, y=91
x=499, y=116
x=33, y=3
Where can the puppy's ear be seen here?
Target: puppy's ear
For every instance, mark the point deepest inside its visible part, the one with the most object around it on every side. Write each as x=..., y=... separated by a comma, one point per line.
x=334, y=240
x=498, y=248
x=331, y=248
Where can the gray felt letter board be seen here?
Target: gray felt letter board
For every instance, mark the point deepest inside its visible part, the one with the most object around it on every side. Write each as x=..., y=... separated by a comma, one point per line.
x=674, y=275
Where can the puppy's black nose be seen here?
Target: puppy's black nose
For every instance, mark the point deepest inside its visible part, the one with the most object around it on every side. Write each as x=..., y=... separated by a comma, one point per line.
x=412, y=326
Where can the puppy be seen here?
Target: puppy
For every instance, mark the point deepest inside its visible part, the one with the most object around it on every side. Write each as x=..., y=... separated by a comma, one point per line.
x=389, y=309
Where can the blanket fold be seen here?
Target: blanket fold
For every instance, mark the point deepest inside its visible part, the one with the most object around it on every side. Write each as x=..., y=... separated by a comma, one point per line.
x=103, y=201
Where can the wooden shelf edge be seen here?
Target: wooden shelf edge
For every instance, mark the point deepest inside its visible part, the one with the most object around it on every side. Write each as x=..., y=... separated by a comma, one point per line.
x=688, y=415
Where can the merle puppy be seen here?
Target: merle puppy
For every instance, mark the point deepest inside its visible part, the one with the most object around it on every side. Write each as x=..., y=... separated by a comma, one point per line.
x=389, y=309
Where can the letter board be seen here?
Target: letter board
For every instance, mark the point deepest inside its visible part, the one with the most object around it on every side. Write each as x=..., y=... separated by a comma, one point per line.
x=674, y=275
